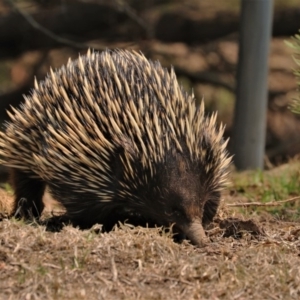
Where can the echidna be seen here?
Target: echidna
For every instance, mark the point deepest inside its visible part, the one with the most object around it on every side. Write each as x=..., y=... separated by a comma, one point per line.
x=113, y=135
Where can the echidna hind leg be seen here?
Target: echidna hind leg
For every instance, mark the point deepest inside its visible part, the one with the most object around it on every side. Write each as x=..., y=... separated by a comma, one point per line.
x=28, y=195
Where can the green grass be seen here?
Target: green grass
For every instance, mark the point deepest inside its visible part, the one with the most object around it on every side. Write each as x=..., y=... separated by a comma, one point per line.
x=270, y=186
x=6, y=186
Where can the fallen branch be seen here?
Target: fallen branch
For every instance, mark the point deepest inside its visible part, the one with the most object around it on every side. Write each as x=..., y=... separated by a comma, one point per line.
x=47, y=32
x=272, y=203
x=132, y=14
x=209, y=77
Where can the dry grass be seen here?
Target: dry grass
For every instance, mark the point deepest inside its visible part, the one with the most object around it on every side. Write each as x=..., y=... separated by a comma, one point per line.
x=145, y=263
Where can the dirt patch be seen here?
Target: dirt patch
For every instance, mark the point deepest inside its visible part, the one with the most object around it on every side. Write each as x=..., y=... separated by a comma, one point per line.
x=236, y=227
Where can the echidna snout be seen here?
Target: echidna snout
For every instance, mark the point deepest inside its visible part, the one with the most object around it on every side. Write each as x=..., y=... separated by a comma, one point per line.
x=112, y=136
x=195, y=233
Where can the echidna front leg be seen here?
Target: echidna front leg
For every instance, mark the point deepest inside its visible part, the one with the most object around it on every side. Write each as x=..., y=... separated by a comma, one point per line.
x=28, y=195
x=210, y=208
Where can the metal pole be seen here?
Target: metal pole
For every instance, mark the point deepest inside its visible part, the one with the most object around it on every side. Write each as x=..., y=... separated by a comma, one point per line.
x=251, y=95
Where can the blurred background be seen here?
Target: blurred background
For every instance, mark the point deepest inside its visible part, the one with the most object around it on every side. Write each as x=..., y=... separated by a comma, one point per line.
x=199, y=38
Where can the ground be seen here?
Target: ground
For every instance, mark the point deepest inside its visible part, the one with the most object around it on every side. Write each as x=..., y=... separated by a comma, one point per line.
x=253, y=252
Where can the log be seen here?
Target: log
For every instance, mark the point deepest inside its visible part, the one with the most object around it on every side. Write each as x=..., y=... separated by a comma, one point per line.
x=85, y=21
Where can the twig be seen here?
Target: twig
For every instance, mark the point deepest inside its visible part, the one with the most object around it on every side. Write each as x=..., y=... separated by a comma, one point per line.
x=206, y=77
x=272, y=203
x=46, y=31
x=131, y=13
